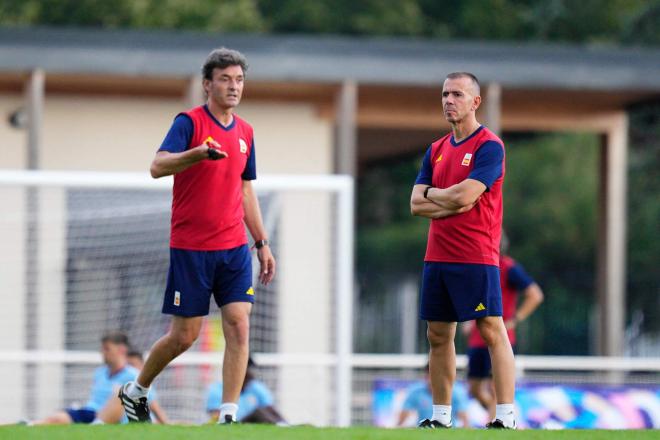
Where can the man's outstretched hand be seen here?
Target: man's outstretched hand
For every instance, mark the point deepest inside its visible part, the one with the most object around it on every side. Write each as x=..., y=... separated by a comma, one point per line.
x=214, y=150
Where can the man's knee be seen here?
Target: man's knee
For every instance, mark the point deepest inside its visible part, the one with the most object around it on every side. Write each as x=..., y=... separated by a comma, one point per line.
x=492, y=330
x=237, y=329
x=183, y=339
x=439, y=336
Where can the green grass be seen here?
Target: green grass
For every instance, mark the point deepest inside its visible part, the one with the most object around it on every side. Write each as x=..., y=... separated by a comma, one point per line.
x=249, y=432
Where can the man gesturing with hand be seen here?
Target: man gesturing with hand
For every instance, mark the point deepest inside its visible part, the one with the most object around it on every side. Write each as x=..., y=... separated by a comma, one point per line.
x=210, y=151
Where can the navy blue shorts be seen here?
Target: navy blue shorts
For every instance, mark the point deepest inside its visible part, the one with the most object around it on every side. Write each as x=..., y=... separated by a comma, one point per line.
x=456, y=292
x=478, y=363
x=479, y=366
x=81, y=415
x=196, y=275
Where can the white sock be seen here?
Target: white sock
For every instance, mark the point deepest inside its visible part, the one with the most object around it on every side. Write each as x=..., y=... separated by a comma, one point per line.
x=505, y=413
x=136, y=391
x=228, y=408
x=98, y=422
x=442, y=413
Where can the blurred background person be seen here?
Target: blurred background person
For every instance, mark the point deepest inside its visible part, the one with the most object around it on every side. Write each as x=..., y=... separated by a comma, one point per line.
x=113, y=412
x=255, y=403
x=418, y=404
x=107, y=380
x=513, y=279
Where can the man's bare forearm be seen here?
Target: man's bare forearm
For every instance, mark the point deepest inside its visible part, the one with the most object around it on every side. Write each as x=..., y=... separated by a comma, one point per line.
x=447, y=198
x=423, y=207
x=172, y=163
x=459, y=196
x=433, y=211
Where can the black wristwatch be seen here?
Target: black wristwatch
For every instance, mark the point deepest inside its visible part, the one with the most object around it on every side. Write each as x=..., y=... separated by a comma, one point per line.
x=260, y=243
x=426, y=192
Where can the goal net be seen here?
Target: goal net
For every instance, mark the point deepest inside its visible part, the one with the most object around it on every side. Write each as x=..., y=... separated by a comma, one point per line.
x=86, y=253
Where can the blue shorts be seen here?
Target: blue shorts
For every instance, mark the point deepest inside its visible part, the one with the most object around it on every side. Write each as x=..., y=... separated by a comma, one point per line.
x=478, y=363
x=196, y=275
x=479, y=366
x=81, y=415
x=456, y=292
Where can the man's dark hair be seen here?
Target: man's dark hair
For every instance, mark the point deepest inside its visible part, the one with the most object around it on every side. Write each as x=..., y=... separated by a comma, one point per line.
x=116, y=337
x=475, y=81
x=221, y=59
x=135, y=353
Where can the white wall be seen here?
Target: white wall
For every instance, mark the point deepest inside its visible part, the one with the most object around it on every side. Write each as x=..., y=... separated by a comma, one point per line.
x=104, y=133
x=290, y=138
x=12, y=140
x=122, y=134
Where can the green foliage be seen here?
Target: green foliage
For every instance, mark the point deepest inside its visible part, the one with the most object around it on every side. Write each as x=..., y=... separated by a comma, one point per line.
x=208, y=15
x=644, y=214
x=203, y=15
x=587, y=21
x=550, y=199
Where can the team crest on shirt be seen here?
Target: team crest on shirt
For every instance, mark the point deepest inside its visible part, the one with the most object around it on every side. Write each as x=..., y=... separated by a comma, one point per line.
x=466, y=159
x=243, y=146
x=439, y=158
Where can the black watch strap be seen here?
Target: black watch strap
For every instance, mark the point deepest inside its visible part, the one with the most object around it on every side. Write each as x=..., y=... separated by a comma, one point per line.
x=260, y=243
x=426, y=192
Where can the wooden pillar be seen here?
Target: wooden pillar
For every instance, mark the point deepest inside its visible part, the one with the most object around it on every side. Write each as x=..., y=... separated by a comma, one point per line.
x=611, y=256
x=195, y=92
x=34, y=97
x=493, y=108
x=346, y=129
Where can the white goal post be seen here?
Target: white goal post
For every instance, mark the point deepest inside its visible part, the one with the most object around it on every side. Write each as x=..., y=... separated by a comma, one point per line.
x=302, y=324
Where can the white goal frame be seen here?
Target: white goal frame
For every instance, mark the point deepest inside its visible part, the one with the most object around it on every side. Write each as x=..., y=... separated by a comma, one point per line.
x=341, y=185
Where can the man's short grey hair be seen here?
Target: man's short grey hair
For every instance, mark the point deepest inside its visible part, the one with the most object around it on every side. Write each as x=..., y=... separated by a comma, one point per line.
x=475, y=81
x=221, y=59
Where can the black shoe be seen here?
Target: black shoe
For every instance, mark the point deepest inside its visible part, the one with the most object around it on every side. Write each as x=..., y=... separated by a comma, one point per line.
x=498, y=424
x=432, y=424
x=137, y=411
x=229, y=420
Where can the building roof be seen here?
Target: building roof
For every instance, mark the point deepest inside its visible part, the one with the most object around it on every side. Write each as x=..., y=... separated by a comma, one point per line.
x=331, y=59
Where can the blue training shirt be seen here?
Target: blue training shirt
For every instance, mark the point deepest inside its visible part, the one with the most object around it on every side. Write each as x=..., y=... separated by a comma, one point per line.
x=419, y=400
x=105, y=385
x=518, y=278
x=255, y=395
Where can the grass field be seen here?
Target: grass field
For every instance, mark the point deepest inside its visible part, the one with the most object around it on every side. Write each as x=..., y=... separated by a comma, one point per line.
x=249, y=432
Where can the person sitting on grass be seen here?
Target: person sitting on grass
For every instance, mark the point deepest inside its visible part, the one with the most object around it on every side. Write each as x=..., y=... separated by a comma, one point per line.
x=255, y=401
x=113, y=411
x=107, y=379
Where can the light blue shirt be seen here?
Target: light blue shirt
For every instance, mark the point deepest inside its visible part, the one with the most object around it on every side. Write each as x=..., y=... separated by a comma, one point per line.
x=419, y=399
x=255, y=395
x=105, y=385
